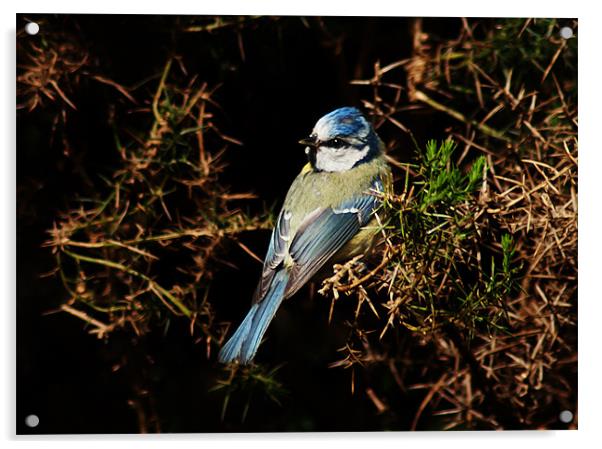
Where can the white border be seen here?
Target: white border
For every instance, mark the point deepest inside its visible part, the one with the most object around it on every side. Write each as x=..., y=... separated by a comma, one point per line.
x=590, y=201
x=509, y=8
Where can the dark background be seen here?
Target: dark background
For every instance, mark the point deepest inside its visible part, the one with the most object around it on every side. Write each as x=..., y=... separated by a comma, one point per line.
x=293, y=71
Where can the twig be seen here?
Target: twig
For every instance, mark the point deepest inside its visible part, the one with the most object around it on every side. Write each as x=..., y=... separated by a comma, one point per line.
x=421, y=96
x=117, y=266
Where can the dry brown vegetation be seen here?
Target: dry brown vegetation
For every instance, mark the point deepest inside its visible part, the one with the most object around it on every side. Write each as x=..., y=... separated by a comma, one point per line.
x=165, y=198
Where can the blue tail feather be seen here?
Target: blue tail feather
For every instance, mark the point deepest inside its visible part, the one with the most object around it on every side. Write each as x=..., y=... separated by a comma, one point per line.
x=231, y=350
x=243, y=345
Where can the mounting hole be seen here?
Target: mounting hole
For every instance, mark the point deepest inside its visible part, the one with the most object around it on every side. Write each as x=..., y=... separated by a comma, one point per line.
x=566, y=32
x=566, y=416
x=32, y=28
x=32, y=421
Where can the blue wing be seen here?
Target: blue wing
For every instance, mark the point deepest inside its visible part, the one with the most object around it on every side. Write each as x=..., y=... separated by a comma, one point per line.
x=275, y=255
x=321, y=236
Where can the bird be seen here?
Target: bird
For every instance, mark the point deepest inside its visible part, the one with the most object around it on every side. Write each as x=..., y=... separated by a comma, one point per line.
x=328, y=215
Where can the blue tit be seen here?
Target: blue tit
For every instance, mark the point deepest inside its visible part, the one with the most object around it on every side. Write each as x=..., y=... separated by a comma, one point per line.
x=327, y=216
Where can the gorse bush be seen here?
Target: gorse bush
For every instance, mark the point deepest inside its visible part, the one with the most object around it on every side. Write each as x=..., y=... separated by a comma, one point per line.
x=164, y=198
x=504, y=262
x=438, y=275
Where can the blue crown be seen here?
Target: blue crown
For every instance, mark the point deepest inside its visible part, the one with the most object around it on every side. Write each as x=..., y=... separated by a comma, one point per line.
x=343, y=122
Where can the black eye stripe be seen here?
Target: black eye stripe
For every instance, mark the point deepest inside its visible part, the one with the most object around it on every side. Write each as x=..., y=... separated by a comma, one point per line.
x=335, y=143
x=338, y=143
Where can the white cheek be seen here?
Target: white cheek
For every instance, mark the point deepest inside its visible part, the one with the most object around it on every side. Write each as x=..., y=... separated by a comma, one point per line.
x=333, y=160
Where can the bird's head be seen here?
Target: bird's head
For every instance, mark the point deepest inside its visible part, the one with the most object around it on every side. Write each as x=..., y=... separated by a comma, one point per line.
x=341, y=140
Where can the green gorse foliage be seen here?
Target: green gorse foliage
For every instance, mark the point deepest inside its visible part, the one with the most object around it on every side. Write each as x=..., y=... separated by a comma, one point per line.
x=249, y=382
x=444, y=184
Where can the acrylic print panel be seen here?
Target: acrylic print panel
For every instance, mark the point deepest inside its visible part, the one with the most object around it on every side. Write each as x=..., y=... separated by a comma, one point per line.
x=155, y=154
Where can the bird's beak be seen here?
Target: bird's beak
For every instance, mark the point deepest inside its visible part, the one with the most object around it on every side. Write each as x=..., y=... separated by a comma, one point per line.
x=309, y=141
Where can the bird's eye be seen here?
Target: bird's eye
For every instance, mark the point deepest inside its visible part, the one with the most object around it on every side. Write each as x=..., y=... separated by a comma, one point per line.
x=336, y=143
